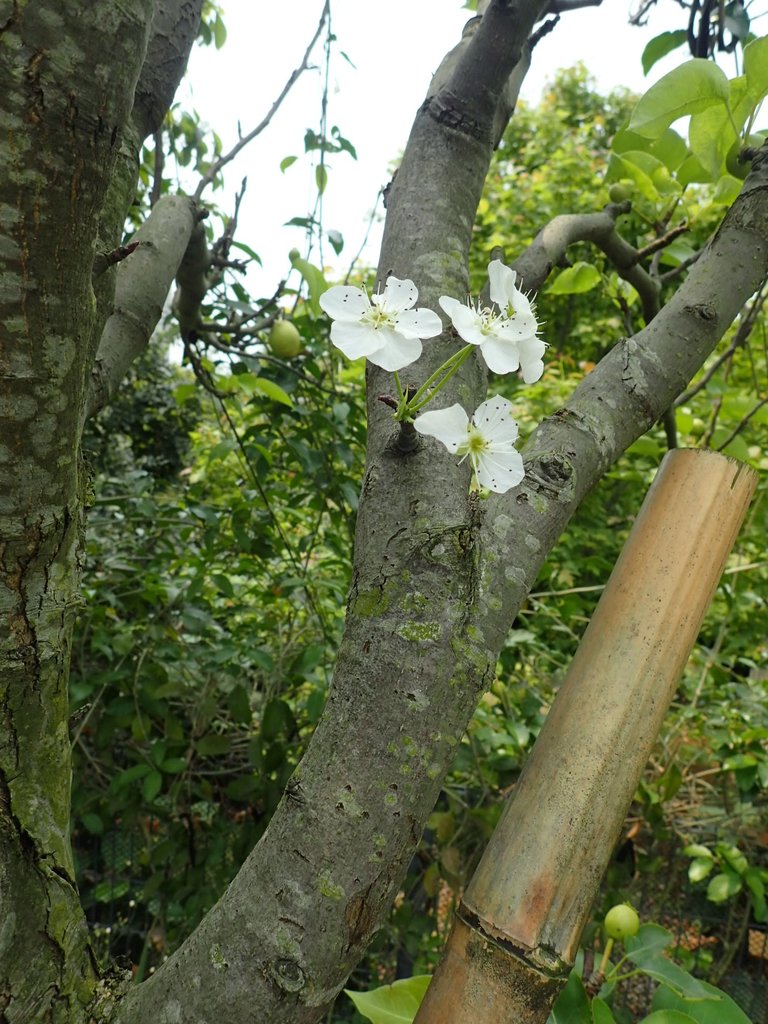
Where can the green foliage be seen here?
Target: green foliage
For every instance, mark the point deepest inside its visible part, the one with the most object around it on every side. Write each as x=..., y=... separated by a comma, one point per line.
x=679, y=998
x=392, y=1004
x=215, y=596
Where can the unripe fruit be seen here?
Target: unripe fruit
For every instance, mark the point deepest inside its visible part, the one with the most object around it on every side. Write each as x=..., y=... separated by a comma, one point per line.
x=741, y=168
x=294, y=255
x=620, y=191
x=698, y=426
x=621, y=921
x=284, y=340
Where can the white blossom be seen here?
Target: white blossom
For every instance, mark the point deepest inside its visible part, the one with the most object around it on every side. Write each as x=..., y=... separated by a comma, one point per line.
x=508, y=338
x=383, y=328
x=488, y=441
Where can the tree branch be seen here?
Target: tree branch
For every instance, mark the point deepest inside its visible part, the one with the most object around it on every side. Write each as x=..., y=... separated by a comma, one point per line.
x=142, y=287
x=294, y=76
x=548, y=249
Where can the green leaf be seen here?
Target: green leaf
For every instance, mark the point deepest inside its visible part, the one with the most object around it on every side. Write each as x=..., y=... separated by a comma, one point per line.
x=581, y=277
x=669, y=1017
x=756, y=68
x=248, y=251
x=321, y=177
x=92, y=823
x=213, y=745
x=733, y=857
x=392, y=1004
x=754, y=880
x=697, y=850
x=224, y=583
x=714, y=131
x=691, y=170
x=337, y=240
x=689, y=88
x=184, y=392
x=670, y=148
x=601, y=1012
x=716, y=1008
x=219, y=33
x=239, y=705
x=723, y=886
x=138, y=771
x=737, y=20
x=651, y=939
x=277, y=718
x=272, y=391
x=668, y=973
x=572, y=1006
x=152, y=785
x=699, y=868
x=739, y=761
x=286, y=162
x=174, y=765
x=630, y=165
x=660, y=46
x=316, y=282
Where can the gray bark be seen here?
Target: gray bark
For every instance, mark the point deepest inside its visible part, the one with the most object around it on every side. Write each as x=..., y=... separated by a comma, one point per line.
x=64, y=111
x=69, y=152
x=436, y=585
x=436, y=580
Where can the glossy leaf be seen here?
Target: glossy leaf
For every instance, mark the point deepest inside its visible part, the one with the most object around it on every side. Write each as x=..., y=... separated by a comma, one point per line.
x=660, y=46
x=392, y=1004
x=699, y=868
x=601, y=1012
x=687, y=89
x=581, y=277
x=669, y=1017
x=756, y=67
x=717, y=1008
x=572, y=1006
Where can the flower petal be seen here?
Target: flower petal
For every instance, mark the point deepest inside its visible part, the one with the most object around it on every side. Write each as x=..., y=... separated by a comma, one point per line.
x=449, y=426
x=500, y=471
x=531, y=363
x=344, y=303
x=522, y=325
x=420, y=323
x=495, y=421
x=466, y=320
x=398, y=295
x=355, y=339
x=395, y=350
x=500, y=355
x=502, y=281
x=521, y=305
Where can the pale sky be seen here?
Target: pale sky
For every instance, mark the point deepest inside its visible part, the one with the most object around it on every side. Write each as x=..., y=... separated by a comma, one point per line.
x=395, y=47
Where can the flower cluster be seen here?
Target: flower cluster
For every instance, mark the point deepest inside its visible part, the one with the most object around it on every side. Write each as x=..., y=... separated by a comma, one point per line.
x=388, y=330
x=488, y=441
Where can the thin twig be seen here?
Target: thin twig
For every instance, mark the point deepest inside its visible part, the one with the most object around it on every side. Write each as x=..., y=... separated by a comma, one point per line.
x=739, y=338
x=743, y=422
x=214, y=169
x=364, y=242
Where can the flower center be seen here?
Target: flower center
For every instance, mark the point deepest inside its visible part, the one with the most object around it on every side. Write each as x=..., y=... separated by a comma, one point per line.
x=377, y=317
x=475, y=444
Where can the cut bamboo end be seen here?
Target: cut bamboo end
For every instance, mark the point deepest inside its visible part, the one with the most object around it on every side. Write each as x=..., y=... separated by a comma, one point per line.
x=478, y=980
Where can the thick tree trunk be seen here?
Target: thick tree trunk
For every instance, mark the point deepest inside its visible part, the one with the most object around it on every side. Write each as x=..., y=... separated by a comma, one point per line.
x=67, y=80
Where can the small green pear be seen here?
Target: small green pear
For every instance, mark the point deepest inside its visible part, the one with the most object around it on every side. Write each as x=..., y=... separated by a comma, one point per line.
x=284, y=340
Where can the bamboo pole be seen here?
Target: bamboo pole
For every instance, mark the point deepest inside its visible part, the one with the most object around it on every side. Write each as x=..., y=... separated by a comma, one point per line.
x=517, y=928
